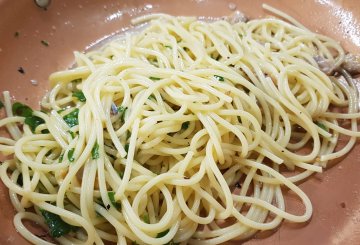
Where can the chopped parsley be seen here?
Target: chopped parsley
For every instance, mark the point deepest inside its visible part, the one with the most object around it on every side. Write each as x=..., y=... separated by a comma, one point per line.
x=111, y=196
x=185, y=125
x=151, y=97
x=320, y=125
x=167, y=46
x=16, y=34
x=146, y=218
x=57, y=227
x=22, y=110
x=61, y=157
x=60, y=111
x=219, y=78
x=35, y=121
x=95, y=151
x=1, y=104
x=126, y=147
x=155, y=78
x=78, y=80
x=71, y=119
x=128, y=134
x=121, y=174
x=121, y=111
x=70, y=155
x=72, y=134
x=45, y=131
x=162, y=234
x=79, y=95
x=45, y=43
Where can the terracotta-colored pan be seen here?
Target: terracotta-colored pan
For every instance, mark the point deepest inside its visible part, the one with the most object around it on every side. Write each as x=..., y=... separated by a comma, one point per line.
x=25, y=31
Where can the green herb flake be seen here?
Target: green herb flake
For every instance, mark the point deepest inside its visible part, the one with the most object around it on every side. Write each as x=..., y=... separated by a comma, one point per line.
x=78, y=80
x=185, y=125
x=162, y=234
x=152, y=97
x=219, y=78
x=95, y=151
x=121, y=111
x=79, y=95
x=45, y=43
x=155, y=78
x=71, y=119
x=146, y=218
x=60, y=111
x=22, y=110
x=57, y=227
x=16, y=34
x=121, y=174
x=71, y=155
x=72, y=134
x=320, y=125
x=111, y=196
x=128, y=134
x=167, y=46
x=126, y=147
x=33, y=122
x=134, y=243
x=1, y=104
x=45, y=131
x=61, y=157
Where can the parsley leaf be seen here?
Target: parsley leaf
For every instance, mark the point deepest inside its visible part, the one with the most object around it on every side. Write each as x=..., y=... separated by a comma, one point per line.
x=22, y=110
x=162, y=234
x=151, y=97
x=320, y=125
x=78, y=80
x=121, y=111
x=80, y=95
x=57, y=226
x=95, y=151
x=146, y=218
x=111, y=196
x=126, y=147
x=61, y=157
x=155, y=78
x=71, y=119
x=72, y=134
x=219, y=78
x=71, y=155
x=33, y=122
x=128, y=134
x=185, y=125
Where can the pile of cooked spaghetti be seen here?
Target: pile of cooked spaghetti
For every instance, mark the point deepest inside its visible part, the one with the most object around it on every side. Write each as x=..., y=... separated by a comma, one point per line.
x=180, y=133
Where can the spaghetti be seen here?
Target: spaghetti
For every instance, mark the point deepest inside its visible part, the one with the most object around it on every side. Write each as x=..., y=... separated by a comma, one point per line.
x=179, y=134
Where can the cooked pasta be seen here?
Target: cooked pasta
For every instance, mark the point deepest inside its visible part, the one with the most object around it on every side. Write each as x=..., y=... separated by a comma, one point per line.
x=180, y=133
